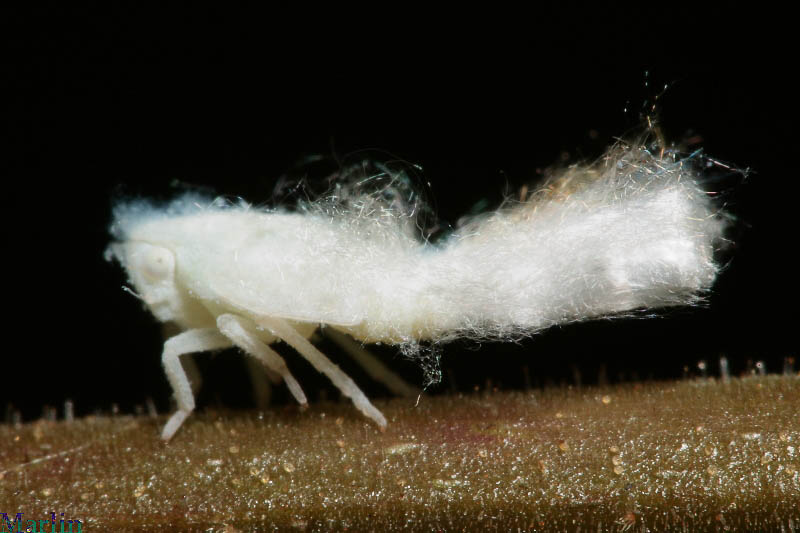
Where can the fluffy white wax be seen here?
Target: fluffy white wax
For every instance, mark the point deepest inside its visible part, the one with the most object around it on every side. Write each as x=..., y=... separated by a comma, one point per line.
x=633, y=231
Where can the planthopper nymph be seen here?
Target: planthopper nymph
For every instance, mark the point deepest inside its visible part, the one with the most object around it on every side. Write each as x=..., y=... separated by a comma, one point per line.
x=632, y=231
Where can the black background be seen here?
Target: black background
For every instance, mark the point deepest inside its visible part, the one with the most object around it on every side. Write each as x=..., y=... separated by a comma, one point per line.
x=114, y=100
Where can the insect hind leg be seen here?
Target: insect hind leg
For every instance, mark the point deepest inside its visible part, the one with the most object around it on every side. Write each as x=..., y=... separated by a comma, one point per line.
x=371, y=364
x=262, y=388
x=193, y=340
x=283, y=330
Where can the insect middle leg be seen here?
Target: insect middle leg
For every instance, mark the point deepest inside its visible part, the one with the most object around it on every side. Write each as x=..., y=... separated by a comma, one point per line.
x=241, y=332
x=193, y=340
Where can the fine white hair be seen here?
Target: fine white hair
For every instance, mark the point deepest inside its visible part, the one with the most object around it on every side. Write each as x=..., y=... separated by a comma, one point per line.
x=632, y=231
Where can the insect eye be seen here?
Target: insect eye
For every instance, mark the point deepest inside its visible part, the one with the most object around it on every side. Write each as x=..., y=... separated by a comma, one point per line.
x=158, y=263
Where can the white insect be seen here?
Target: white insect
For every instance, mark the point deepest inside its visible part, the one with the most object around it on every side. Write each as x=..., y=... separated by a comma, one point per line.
x=630, y=232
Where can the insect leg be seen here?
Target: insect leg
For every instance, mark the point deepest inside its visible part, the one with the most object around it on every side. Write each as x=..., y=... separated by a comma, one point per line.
x=371, y=364
x=189, y=365
x=262, y=389
x=283, y=330
x=193, y=340
x=240, y=331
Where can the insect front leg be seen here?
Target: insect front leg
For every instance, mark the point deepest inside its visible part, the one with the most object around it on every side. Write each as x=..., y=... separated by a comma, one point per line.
x=241, y=332
x=193, y=340
x=283, y=330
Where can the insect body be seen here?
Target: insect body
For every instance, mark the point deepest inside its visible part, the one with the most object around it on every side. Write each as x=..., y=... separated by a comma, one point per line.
x=634, y=231
x=209, y=272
